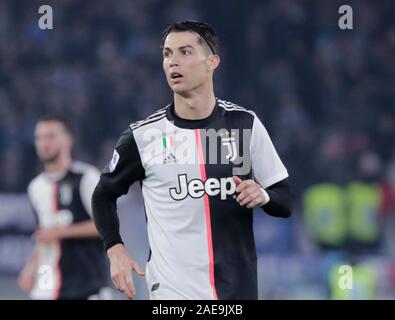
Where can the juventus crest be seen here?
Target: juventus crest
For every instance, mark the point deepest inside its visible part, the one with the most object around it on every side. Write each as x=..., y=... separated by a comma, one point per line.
x=230, y=143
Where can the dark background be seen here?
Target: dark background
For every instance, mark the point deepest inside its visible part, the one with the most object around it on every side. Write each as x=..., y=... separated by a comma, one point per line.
x=325, y=95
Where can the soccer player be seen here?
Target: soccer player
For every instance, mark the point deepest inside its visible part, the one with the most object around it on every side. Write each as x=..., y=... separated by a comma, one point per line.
x=68, y=260
x=203, y=164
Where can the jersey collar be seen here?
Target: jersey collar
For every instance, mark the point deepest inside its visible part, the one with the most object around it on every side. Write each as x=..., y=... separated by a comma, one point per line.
x=191, y=124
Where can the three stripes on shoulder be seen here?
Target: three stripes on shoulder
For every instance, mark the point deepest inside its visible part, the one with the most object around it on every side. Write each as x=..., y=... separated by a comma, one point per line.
x=161, y=113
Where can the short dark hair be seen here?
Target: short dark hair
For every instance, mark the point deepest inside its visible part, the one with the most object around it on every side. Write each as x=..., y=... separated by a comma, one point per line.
x=58, y=118
x=206, y=32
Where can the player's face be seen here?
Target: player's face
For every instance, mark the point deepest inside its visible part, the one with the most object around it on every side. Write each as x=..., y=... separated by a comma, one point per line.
x=51, y=140
x=185, y=62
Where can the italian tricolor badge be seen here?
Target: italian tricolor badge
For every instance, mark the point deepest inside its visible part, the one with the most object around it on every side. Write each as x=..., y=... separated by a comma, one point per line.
x=168, y=142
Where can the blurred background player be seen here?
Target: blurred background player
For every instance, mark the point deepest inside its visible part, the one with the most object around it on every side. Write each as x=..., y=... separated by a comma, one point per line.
x=68, y=259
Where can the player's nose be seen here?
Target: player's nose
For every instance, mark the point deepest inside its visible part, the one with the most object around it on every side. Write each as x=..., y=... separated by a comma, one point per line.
x=173, y=63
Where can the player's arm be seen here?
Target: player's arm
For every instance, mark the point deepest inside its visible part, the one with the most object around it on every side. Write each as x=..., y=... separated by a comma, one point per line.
x=269, y=188
x=121, y=263
x=124, y=168
x=80, y=230
x=28, y=273
x=276, y=200
x=85, y=229
x=280, y=199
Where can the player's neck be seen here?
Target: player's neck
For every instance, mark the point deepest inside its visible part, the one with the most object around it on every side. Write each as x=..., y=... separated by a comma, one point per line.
x=58, y=167
x=195, y=106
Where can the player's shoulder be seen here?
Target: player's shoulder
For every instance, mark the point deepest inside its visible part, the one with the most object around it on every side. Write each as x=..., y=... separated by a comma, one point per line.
x=232, y=107
x=151, y=119
x=36, y=183
x=242, y=116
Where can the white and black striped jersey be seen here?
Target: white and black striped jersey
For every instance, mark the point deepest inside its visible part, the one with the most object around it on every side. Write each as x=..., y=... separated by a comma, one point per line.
x=201, y=240
x=69, y=268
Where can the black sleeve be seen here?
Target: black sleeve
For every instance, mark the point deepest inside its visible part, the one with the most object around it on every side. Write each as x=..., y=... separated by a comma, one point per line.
x=105, y=216
x=280, y=204
x=125, y=166
x=115, y=180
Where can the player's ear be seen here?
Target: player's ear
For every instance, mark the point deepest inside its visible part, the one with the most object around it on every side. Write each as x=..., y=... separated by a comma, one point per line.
x=213, y=62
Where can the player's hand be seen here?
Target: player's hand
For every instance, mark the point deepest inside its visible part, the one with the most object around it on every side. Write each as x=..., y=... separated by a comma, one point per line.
x=251, y=193
x=48, y=234
x=26, y=277
x=122, y=266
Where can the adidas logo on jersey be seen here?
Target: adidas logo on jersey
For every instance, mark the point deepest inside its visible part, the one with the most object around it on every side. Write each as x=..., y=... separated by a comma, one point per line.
x=169, y=158
x=196, y=188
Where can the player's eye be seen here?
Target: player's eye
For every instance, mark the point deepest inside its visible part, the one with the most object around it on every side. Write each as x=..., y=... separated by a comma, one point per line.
x=166, y=54
x=186, y=52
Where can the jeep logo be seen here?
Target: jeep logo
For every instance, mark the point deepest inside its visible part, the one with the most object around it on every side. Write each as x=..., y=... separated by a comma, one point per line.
x=196, y=188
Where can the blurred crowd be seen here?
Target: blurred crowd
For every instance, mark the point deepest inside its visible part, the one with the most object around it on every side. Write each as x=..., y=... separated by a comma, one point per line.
x=325, y=95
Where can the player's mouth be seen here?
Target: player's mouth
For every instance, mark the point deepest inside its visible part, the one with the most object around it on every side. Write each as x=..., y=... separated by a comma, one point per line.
x=176, y=77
